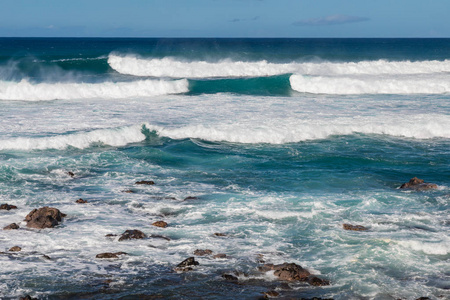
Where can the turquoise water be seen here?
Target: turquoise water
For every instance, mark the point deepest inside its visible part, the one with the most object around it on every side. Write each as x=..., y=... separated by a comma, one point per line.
x=280, y=142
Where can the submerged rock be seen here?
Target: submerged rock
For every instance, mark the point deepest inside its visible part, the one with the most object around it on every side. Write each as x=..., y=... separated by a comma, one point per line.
x=44, y=217
x=293, y=272
x=7, y=206
x=132, y=234
x=354, y=227
x=190, y=198
x=110, y=255
x=220, y=234
x=229, y=277
x=201, y=252
x=220, y=255
x=271, y=294
x=28, y=297
x=161, y=224
x=146, y=182
x=186, y=264
x=11, y=226
x=418, y=185
x=81, y=201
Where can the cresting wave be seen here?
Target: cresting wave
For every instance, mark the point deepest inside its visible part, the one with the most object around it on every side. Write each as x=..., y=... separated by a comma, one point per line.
x=172, y=67
x=25, y=90
x=348, y=85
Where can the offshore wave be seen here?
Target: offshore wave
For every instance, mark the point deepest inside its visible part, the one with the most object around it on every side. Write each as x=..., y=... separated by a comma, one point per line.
x=25, y=90
x=419, y=127
x=347, y=85
x=171, y=67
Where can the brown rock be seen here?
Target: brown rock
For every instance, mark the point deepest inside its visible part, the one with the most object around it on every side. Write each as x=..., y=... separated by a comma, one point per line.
x=220, y=255
x=147, y=182
x=316, y=281
x=44, y=217
x=354, y=227
x=11, y=226
x=293, y=272
x=229, y=277
x=190, y=198
x=81, y=201
x=200, y=252
x=128, y=191
x=219, y=234
x=15, y=249
x=161, y=224
x=110, y=255
x=271, y=294
x=418, y=185
x=6, y=206
x=132, y=234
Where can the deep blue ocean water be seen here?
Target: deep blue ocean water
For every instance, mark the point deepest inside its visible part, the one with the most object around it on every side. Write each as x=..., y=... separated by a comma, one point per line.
x=278, y=142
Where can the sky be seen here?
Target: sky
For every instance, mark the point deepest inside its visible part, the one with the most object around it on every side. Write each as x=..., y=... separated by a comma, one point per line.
x=225, y=18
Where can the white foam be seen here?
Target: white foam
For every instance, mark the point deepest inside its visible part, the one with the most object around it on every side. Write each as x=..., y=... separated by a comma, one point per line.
x=172, y=67
x=441, y=248
x=24, y=90
x=348, y=85
x=112, y=137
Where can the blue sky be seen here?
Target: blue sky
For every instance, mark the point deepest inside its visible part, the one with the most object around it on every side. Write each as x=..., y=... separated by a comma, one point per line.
x=225, y=18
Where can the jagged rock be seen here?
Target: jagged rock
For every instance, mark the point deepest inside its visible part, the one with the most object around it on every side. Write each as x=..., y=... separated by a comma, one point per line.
x=81, y=201
x=110, y=255
x=132, y=234
x=15, y=249
x=186, y=264
x=418, y=185
x=229, y=277
x=220, y=255
x=354, y=227
x=200, y=252
x=190, y=198
x=271, y=294
x=46, y=257
x=7, y=206
x=44, y=217
x=11, y=226
x=219, y=234
x=147, y=182
x=161, y=224
x=293, y=272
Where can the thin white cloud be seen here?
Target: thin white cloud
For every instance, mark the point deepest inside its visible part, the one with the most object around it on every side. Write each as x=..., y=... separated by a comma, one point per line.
x=330, y=20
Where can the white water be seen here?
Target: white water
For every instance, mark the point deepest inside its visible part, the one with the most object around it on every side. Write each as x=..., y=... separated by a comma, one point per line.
x=25, y=90
x=172, y=67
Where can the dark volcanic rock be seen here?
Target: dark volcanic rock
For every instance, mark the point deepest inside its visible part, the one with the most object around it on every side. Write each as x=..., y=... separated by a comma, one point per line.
x=132, y=234
x=44, y=217
x=147, y=182
x=186, y=264
x=15, y=249
x=354, y=227
x=11, y=226
x=161, y=224
x=201, y=252
x=81, y=201
x=418, y=185
x=6, y=206
x=110, y=255
x=293, y=272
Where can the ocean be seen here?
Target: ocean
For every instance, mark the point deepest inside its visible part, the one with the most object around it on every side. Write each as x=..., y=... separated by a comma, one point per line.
x=259, y=150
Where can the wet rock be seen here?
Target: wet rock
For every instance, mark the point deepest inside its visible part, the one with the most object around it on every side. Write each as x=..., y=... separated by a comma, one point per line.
x=220, y=255
x=161, y=224
x=46, y=257
x=146, y=182
x=7, y=206
x=11, y=226
x=15, y=249
x=44, y=217
x=229, y=277
x=81, y=201
x=271, y=294
x=186, y=264
x=28, y=297
x=354, y=227
x=128, y=191
x=219, y=234
x=293, y=272
x=190, y=198
x=71, y=174
x=157, y=236
x=316, y=281
x=110, y=235
x=418, y=185
x=132, y=234
x=110, y=255
x=201, y=252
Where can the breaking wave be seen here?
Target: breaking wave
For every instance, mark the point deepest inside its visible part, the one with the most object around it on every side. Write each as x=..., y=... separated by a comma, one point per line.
x=25, y=90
